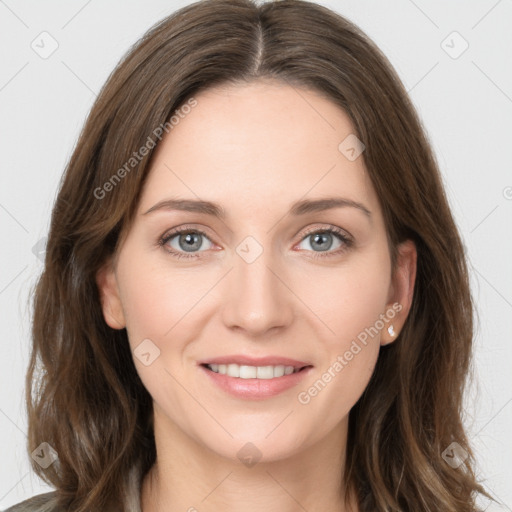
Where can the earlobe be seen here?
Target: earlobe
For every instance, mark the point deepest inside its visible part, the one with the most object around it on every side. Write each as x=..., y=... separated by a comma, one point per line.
x=111, y=305
x=402, y=291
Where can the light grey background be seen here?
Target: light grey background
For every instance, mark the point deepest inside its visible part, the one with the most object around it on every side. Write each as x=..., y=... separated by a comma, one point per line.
x=465, y=104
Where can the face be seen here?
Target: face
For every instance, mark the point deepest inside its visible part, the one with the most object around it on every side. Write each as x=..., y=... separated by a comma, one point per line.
x=261, y=320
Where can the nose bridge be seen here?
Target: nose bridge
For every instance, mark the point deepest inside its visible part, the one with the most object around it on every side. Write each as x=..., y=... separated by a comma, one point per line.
x=256, y=298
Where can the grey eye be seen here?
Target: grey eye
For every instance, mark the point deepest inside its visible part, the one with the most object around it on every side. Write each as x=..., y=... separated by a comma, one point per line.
x=190, y=241
x=322, y=241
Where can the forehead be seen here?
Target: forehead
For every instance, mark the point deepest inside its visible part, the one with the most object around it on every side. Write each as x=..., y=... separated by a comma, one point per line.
x=264, y=143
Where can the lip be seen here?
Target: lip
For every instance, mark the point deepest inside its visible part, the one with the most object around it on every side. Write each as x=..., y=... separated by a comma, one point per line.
x=255, y=389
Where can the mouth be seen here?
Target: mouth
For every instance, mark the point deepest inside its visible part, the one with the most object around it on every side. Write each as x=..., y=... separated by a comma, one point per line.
x=254, y=379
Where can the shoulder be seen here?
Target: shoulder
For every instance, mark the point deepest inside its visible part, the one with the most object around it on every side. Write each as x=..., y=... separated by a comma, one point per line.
x=41, y=503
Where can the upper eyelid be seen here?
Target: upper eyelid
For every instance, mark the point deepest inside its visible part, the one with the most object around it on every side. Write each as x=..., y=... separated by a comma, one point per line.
x=328, y=227
x=183, y=229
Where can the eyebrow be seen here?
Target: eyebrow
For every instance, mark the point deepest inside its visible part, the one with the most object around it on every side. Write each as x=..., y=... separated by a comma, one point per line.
x=299, y=208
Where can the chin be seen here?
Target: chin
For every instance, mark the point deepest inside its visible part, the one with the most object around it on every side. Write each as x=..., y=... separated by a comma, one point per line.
x=256, y=449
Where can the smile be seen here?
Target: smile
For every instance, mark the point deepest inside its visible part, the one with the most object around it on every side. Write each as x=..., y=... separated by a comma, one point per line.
x=259, y=381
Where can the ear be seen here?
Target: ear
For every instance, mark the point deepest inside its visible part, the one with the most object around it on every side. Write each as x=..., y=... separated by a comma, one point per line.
x=401, y=290
x=111, y=305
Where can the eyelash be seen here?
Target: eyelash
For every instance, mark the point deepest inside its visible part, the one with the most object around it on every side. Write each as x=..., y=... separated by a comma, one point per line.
x=324, y=254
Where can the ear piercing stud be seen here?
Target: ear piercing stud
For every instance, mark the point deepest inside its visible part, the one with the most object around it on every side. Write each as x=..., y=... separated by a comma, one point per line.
x=391, y=331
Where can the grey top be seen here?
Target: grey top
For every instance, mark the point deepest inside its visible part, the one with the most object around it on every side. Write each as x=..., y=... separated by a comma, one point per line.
x=40, y=503
x=48, y=502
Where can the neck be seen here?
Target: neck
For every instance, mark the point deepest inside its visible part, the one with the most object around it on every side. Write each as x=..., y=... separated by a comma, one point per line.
x=188, y=476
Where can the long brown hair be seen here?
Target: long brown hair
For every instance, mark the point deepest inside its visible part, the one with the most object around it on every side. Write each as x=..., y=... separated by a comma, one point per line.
x=84, y=396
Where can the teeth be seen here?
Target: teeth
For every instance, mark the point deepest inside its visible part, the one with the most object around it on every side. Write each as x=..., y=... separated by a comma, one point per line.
x=252, y=372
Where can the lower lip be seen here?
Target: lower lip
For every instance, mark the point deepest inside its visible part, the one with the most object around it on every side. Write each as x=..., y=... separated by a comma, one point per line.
x=256, y=389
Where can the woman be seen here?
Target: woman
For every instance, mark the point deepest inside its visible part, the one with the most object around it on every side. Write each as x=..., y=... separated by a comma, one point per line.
x=254, y=290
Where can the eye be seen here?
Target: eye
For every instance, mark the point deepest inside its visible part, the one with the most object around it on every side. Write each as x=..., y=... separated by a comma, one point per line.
x=187, y=242
x=323, y=240
x=184, y=242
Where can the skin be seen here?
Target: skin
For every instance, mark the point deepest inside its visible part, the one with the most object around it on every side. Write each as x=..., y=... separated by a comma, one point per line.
x=254, y=149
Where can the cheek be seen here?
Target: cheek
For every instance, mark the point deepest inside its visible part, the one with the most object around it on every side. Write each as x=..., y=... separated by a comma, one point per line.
x=350, y=298
x=351, y=302
x=166, y=306
x=159, y=311
x=157, y=300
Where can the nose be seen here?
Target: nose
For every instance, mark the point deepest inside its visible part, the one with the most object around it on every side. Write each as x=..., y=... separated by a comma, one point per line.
x=257, y=297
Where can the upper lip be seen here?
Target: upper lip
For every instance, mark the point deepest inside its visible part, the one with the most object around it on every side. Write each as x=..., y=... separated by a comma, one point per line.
x=255, y=361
